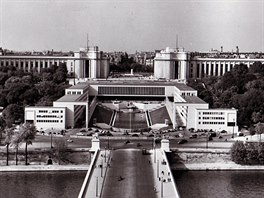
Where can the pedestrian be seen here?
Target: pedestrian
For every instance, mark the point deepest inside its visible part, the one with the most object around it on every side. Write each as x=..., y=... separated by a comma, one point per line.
x=155, y=190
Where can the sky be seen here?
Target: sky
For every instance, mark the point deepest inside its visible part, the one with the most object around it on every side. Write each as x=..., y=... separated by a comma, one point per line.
x=132, y=25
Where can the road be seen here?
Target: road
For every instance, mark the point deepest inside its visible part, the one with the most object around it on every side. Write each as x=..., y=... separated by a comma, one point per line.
x=80, y=142
x=136, y=172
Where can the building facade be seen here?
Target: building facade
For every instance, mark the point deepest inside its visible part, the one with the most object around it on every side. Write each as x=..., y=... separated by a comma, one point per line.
x=183, y=105
x=83, y=64
x=46, y=117
x=177, y=64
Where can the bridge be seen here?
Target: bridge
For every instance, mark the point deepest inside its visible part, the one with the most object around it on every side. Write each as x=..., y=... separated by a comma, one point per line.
x=129, y=173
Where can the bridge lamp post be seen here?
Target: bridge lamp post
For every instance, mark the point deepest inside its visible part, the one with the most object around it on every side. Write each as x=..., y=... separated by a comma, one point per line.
x=102, y=168
x=51, y=138
x=96, y=190
x=207, y=140
x=154, y=148
x=233, y=128
x=108, y=142
x=105, y=155
x=158, y=169
x=161, y=188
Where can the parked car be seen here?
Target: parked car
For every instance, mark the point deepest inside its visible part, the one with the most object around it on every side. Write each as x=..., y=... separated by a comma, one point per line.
x=213, y=134
x=157, y=140
x=193, y=136
x=241, y=134
x=127, y=142
x=182, y=141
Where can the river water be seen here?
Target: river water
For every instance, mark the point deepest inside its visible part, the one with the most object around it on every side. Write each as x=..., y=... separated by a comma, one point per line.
x=191, y=184
x=220, y=184
x=41, y=184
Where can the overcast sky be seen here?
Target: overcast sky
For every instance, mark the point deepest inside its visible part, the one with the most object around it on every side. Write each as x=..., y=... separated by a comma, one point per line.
x=130, y=25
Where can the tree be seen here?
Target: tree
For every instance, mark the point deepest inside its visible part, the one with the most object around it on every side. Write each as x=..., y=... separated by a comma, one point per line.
x=15, y=141
x=9, y=133
x=227, y=80
x=46, y=88
x=27, y=133
x=13, y=113
x=261, y=153
x=257, y=117
x=61, y=149
x=252, y=131
x=252, y=153
x=238, y=152
x=3, y=78
x=59, y=77
x=2, y=127
x=257, y=67
x=259, y=129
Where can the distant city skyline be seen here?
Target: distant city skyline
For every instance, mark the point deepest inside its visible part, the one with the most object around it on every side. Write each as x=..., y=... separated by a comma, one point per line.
x=132, y=25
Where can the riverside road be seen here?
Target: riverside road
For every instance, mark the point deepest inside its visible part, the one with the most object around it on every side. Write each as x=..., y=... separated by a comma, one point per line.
x=124, y=142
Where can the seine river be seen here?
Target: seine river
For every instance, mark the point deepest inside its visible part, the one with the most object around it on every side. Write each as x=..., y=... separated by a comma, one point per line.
x=191, y=184
x=41, y=184
x=220, y=184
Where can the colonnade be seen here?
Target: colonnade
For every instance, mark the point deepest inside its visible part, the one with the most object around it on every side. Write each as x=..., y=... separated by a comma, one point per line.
x=29, y=64
x=202, y=68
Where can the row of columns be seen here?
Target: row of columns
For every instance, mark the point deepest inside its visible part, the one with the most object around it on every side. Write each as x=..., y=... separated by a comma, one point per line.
x=31, y=64
x=213, y=68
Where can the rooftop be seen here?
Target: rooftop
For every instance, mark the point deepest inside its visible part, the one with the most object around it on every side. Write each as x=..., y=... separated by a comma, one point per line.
x=194, y=100
x=72, y=98
x=180, y=86
x=79, y=86
x=44, y=107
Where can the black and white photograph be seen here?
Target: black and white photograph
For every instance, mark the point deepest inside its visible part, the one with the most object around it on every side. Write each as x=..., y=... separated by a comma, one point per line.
x=131, y=98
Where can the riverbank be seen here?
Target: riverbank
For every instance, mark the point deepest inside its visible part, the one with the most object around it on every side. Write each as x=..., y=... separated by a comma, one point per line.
x=28, y=168
x=207, y=159
x=216, y=167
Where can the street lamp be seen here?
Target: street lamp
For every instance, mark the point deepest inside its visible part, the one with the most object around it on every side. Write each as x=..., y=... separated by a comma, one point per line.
x=51, y=138
x=161, y=188
x=233, y=128
x=108, y=142
x=207, y=139
x=158, y=169
x=105, y=155
x=154, y=144
x=102, y=168
x=96, y=191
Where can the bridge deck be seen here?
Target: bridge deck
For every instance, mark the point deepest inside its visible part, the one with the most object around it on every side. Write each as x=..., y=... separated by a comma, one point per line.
x=136, y=172
x=128, y=173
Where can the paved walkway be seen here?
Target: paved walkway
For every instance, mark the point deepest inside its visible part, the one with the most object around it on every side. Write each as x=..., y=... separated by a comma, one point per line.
x=18, y=168
x=163, y=177
x=98, y=175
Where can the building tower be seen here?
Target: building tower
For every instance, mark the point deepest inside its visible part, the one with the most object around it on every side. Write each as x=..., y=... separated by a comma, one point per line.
x=171, y=64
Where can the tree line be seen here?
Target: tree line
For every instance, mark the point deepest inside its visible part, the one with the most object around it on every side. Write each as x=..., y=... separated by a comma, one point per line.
x=26, y=133
x=19, y=89
x=241, y=88
x=127, y=63
x=249, y=153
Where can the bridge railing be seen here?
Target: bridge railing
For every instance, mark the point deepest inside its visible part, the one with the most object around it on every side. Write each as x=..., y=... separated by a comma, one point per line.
x=88, y=175
x=177, y=195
